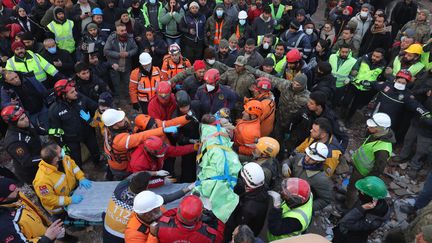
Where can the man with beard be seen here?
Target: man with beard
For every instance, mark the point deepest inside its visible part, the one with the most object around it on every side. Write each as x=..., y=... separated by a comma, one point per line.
x=295, y=65
x=377, y=36
x=39, y=9
x=62, y=29
x=192, y=82
x=401, y=45
x=254, y=59
x=347, y=38
x=49, y=14
x=410, y=60
x=223, y=54
x=174, y=62
x=420, y=25
x=279, y=58
x=238, y=78
x=87, y=83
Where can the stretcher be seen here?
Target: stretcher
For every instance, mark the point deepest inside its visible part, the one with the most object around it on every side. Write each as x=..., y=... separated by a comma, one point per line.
x=97, y=197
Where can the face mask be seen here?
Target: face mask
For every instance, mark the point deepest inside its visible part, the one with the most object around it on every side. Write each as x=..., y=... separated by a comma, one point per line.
x=364, y=198
x=152, y=1
x=211, y=61
x=309, y=31
x=233, y=49
x=210, y=87
x=219, y=13
x=363, y=14
x=242, y=21
x=266, y=46
x=62, y=154
x=399, y=86
x=52, y=50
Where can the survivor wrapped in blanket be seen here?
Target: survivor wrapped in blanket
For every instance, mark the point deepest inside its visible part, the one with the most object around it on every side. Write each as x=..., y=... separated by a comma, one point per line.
x=217, y=171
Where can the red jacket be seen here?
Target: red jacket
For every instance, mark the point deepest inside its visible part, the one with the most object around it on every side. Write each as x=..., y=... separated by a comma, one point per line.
x=142, y=161
x=160, y=111
x=253, y=14
x=10, y=4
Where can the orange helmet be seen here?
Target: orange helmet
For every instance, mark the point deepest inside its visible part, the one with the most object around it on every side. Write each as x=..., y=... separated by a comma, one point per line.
x=143, y=122
x=63, y=86
x=293, y=56
x=254, y=107
x=212, y=76
x=11, y=113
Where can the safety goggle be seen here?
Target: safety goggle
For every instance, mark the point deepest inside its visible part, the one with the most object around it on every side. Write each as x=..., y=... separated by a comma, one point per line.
x=314, y=151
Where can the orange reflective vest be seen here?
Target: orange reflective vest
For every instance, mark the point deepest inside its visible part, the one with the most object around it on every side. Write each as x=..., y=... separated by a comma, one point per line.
x=171, y=69
x=142, y=88
x=138, y=231
x=218, y=32
x=269, y=109
x=246, y=133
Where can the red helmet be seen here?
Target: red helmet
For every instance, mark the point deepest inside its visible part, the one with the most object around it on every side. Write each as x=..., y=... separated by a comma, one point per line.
x=296, y=188
x=264, y=84
x=405, y=74
x=190, y=210
x=212, y=76
x=253, y=107
x=293, y=56
x=63, y=86
x=11, y=113
x=155, y=146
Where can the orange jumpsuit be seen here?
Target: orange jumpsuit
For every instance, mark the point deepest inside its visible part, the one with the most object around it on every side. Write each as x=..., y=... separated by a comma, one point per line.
x=246, y=133
x=171, y=69
x=138, y=231
x=269, y=110
x=142, y=120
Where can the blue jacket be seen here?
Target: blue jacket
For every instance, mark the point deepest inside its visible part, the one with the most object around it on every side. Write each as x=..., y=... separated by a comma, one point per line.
x=290, y=40
x=193, y=22
x=211, y=102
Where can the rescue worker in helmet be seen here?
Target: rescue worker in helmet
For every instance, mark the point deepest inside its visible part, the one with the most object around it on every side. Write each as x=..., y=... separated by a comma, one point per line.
x=185, y=223
x=410, y=60
x=69, y=120
x=264, y=154
x=253, y=202
x=295, y=65
x=213, y=96
x=291, y=212
x=370, y=212
x=22, y=143
x=309, y=167
x=119, y=141
x=151, y=155
x=147, y=207
x=248, y=130
x=173, y=63
x=163, y=104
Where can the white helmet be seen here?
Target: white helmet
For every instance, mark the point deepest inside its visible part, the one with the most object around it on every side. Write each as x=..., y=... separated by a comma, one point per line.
x=242, y=15
x=253, y=175
x=317, y=151
x=146, y=201
x=145, y=58
x=112, y=116
x=379, y=120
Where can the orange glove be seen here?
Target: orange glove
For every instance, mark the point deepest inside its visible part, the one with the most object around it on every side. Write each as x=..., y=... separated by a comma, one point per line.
x=197, y=146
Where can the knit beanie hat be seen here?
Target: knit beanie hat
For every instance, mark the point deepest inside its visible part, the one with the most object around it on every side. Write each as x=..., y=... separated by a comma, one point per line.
x=223, y=43
x=91, y=26
x=301, y=79
x=199, y=64
x=17, y=44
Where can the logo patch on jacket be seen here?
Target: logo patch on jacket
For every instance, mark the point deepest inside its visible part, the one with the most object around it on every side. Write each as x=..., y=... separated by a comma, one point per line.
x=43, y=190
x=19, y=151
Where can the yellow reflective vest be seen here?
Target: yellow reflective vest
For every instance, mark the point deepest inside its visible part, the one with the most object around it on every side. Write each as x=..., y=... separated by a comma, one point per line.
x=279, y=66
x=414, y=69
x=54, y=187
x=32, y=63
x=341, y=70
x=63, y=34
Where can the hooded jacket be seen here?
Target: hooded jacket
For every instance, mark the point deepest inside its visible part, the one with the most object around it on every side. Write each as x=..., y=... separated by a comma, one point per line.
x=210, y=27
x=361, y=26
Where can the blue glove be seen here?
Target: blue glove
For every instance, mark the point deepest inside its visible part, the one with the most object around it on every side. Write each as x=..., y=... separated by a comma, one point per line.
x=76, y=199
x=178, y=86
x=172, y=129
x=85, y=115
x=86, y=183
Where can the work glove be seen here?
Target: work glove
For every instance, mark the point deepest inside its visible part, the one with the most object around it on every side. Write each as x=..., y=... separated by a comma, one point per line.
x=85, y=115
x=172, y=129
x=276, y=198
x=136, y=106
x=86, y=183
x=178, y=86
x=286, y=170
x=197, y=146
x=76, y=199
x=57, y=132
x=162, y=173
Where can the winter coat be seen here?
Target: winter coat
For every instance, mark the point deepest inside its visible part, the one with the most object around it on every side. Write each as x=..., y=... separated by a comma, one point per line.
x=196, y=22
x=157, y=110
x=210, y=27
x=221, y=97
x=228, y=59
x=422, y=30
x=67, y=67
x=190, y=85
x=160, y=49
x=38, y=11
x=402, y=13
x=361, y=26
x=112, y=50
x=254, y=60
x=326, y=84
x=375, y=39
x=170, y=23
x=290, y=39
x=49, y=15
x=239, y=82
x=262, y=27
x=91, y=88
x=77, y=12
x=354, y=44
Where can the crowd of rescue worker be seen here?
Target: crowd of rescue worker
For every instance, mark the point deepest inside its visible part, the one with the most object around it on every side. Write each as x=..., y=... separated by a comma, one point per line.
x=126, y=85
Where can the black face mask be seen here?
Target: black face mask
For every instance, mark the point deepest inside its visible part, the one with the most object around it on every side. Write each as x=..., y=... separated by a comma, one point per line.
x=364, y=198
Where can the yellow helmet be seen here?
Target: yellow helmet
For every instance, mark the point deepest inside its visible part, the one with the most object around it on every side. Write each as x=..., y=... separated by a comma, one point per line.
x=415, y=49
x=268, y=146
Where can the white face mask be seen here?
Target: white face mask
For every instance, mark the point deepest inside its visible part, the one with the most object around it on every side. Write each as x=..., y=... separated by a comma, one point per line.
x=242, y=21
x=210, y=87
x=363, y=14
x=211, y=61
x=309, y=31
x=232, y=48
x=399, y=86
x=266, y=46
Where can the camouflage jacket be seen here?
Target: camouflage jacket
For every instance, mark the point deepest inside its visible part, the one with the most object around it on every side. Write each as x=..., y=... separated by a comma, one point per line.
x=239, y=82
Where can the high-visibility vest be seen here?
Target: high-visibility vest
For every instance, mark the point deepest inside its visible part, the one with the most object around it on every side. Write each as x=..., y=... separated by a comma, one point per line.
x=364, y=157
x=144, y=10
x=279, y=66
x=218, y=32
x=277, y=16
x=425, y=60
x=302, y=213
x=36, y=64
x=147, y=86
x=365, y=73
x=414, y=69
x=63, y=35
x=341, y=72
x=171, y=69
x=238, y=32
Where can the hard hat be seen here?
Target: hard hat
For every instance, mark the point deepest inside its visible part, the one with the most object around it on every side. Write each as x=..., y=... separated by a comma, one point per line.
x=182, y=98
x=372, y=186
x=11, y=113
x=379, y=120
x=264, y=84
x=317, y=151
x=142, y=120
x=163, y=89
x=242, y=15
x=212, y=76
x=296, y=188
x=405, y=74
x=268, y=146
x=253, y=175
x=145, y=58
x=97, y=11
x=293, y=56
x=146, y=201
x=63, y=86
x=414, y=49
x=253, y=107
x=112, y=116
x=174, y=48
x=190, y=210
x=155, y=146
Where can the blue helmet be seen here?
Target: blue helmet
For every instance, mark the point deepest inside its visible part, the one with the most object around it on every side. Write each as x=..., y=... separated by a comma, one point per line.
x=97, y=11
